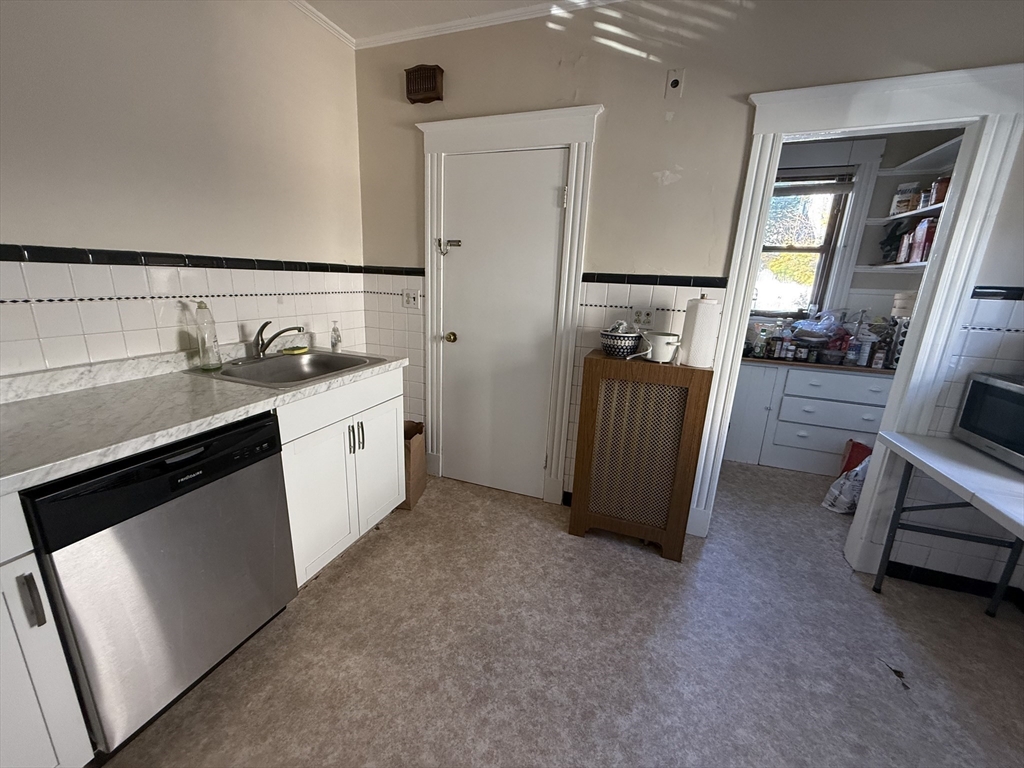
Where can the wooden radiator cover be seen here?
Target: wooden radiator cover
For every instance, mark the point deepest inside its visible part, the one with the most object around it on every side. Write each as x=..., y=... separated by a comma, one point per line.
x=637, y=447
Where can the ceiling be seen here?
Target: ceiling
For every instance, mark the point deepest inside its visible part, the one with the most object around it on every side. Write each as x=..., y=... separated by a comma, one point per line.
x=367, y=23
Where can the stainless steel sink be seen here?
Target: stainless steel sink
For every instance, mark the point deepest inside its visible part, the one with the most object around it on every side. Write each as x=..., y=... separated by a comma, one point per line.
x=279, y=371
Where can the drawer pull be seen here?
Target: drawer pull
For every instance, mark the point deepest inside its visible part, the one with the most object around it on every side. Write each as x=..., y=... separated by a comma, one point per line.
x=808, y=409
x=814, y=383
x=868, y=417
x=801, y=433
x=874, y=389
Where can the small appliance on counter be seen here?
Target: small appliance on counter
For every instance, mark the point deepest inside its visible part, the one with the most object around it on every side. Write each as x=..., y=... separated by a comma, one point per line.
x=991, y=417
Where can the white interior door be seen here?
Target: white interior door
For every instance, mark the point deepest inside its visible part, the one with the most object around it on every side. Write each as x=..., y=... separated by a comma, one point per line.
x=500, y=291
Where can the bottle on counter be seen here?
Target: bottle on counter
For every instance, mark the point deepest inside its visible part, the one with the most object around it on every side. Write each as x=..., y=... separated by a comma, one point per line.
x=335, y=337
x=761, y=343
x=209, y=347
x=776, y=342
x=881, y=353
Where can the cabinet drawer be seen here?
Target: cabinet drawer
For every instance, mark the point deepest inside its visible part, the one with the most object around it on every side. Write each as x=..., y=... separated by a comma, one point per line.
x=824, y=439
x=318, y=411
x=826, y=413
x=845, y=387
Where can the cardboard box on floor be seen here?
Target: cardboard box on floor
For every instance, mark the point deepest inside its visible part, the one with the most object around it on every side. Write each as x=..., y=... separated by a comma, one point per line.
x=415, y=464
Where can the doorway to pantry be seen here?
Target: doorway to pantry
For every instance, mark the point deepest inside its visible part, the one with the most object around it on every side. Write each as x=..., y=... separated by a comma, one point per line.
x=850, y=224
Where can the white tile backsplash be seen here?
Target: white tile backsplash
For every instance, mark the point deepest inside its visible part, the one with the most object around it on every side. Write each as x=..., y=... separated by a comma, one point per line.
x=991, y=341
x=12, y=281
x=65, y=350
x=57, y=318
x=17, y=323
x=99, y=317
x=92, y=280
x=48, y=281
x=129, y=280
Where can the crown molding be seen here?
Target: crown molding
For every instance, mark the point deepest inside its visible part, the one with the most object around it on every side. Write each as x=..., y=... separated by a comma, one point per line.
x=324, y=22
x=475, y=22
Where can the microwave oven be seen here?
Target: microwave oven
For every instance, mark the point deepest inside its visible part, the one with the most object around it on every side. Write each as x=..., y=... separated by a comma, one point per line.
x=991, y=417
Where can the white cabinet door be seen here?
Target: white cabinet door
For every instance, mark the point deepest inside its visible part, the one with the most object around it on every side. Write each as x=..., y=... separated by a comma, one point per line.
x=321, y=508
x=24, y=741
x=34, y=626
x=379, y=462
x=750, y=411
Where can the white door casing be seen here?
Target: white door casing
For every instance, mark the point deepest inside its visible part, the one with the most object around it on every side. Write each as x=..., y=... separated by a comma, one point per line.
x=573, y=128
x=990, y=102
x=500, y=290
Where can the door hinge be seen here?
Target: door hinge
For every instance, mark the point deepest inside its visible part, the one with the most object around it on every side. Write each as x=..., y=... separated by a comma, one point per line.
x=565, y=196
x=545, y=461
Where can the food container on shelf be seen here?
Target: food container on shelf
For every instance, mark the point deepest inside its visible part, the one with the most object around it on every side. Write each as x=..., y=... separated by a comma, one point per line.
x=831, y=356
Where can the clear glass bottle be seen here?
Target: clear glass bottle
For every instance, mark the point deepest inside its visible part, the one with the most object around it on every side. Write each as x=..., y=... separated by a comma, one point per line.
x=335, y=337
x=209, y=347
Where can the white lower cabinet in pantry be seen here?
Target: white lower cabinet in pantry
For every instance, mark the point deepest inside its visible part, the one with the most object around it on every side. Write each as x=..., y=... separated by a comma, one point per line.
x=344, y=467
x=798, y=417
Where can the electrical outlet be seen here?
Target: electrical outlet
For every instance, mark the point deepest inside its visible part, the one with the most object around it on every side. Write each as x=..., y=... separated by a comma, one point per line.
x=411, y=298
x=643, y=317
x=674, y=83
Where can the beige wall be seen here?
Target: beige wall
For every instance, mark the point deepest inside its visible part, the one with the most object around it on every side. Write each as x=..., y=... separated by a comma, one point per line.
x=224, y=128
x=639, y=223
x=1004, y=255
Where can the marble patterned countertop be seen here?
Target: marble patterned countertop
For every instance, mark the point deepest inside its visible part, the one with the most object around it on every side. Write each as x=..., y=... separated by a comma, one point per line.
x=45, y=438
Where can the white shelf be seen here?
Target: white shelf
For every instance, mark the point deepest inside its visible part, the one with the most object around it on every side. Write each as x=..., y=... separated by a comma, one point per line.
x=917, y=266
x=935, y=160
x=918, y=213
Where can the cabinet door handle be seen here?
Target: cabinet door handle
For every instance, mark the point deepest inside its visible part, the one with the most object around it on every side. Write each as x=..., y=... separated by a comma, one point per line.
x=801, y=433
x=31, y=600
x=351, y=439
x=874, y=389
x=808, y=409
x=868, y=417
x=814, y=383
x=362, y=437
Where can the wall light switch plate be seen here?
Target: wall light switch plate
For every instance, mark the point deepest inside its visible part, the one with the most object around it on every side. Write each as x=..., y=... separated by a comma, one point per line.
x=643, y=317
x=674, y=83
x=411, y=298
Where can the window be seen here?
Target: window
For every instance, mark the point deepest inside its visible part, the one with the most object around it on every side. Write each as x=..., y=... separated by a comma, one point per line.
x=800, y=237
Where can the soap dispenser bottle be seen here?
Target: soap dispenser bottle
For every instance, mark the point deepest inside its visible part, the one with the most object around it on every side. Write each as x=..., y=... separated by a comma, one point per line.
x=335, y=337
x=209, y=348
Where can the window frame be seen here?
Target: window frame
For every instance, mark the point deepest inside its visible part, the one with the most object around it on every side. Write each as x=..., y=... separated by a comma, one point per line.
x=839, y=177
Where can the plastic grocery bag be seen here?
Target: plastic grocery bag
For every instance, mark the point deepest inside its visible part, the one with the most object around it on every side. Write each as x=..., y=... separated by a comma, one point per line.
x=823, y=325
x=844, y=493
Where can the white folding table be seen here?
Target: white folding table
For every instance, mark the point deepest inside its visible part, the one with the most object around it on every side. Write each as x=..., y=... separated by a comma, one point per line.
x=995, y=488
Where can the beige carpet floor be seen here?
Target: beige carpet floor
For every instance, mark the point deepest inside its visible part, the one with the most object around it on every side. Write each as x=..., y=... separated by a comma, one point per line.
x=475, y=631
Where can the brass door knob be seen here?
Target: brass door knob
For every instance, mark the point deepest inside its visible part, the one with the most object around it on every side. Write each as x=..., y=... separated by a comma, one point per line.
x=451, y=337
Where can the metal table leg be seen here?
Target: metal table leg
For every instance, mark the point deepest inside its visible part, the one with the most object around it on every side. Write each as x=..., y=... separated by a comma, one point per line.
x=1004, y=580
x=897, y=512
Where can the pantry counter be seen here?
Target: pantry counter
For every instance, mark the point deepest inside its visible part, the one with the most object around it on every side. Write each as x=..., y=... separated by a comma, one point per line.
x=820, y=366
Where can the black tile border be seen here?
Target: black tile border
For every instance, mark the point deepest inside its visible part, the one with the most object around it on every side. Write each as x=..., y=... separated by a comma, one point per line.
x=54, y=255
x=930, y=578
x=685, y=281
x=1003, y=292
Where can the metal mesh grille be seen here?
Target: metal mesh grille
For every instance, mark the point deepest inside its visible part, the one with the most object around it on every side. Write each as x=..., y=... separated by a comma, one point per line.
x=636, y=444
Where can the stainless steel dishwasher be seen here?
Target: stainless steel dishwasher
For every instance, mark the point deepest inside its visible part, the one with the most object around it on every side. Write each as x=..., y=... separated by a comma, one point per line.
x=160, y=565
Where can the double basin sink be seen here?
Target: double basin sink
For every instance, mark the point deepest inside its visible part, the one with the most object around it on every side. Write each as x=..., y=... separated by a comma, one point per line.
x=280, y=371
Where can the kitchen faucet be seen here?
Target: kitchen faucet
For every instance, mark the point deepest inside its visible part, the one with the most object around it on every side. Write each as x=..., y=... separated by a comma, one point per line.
x=259, y=346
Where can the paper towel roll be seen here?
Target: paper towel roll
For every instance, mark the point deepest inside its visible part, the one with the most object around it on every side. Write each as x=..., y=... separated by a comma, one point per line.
x=700, y=333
